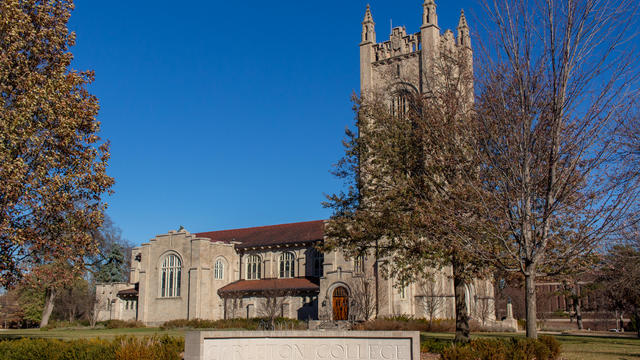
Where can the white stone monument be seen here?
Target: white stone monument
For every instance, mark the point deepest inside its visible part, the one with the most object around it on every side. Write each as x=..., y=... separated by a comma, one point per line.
x=302, y=345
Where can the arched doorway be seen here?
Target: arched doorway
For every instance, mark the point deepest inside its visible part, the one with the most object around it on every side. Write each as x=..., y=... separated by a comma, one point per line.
x=340, y=304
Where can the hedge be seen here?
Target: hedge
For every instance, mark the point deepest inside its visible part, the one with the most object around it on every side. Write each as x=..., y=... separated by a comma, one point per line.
x=246, y=324
x=122, y=348
x=545, y=348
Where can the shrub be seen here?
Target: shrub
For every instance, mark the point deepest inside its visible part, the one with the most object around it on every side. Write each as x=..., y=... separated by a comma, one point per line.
x=432, y=345
x=153, y=348
x=247, y=324
x=393, y=324
x=489, y=349
x=546, y=348
x=407, y=324
x=459, y=353
x=553, y=345
x=121, y=324
x=53, y=349
x=123, y=348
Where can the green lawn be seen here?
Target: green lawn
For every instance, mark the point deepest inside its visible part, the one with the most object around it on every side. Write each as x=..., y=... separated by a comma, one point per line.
x=87, y=333
x=574, y=347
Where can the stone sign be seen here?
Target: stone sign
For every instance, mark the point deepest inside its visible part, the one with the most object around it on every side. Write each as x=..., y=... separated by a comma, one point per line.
x=302, y=345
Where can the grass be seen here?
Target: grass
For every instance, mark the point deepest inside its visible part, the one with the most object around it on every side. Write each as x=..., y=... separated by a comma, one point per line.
x=68, y=334
x=574, y=346
x=592, y=347
x=577, y=347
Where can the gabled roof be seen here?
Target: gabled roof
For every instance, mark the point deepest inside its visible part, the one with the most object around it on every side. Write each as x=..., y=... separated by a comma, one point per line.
x=302, y=232
x=259, y=286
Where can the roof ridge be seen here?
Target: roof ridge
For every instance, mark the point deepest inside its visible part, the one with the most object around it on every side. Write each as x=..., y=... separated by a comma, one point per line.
x=260, y=227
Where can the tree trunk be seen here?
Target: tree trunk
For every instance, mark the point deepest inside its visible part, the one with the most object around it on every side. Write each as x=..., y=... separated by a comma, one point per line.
x=578, y=314
x=93, y=318
x=431, y=313
x=530, y=301
x=50, y=296
x=462, y=317
x=376, y=274
x=576, y=304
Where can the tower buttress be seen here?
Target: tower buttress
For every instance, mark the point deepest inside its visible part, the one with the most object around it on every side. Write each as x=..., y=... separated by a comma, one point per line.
x=464, y=44
x=368, y=27
x=464, y=38
x=429, y=14
x=367, y=55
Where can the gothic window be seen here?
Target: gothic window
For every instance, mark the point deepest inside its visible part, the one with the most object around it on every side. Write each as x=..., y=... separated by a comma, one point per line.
x=254, y=267
x=358, y=264
x=218, y=270
x=287, y=265
x=318, y=264
x=400, y=103
x=171, y=276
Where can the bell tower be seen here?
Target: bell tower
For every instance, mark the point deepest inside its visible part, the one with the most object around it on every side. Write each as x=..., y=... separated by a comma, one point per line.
x=406, y=61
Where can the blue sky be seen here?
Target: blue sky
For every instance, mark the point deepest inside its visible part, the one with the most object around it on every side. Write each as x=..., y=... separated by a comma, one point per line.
x=227, y=114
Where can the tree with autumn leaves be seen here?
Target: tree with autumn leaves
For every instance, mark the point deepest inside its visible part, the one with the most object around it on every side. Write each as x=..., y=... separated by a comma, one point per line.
x=52, y=161
x=409, y=175
x=533, y=179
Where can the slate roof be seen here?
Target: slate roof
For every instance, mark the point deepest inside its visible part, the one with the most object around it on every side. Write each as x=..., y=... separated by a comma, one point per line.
x=257, y=286
x=302, y=232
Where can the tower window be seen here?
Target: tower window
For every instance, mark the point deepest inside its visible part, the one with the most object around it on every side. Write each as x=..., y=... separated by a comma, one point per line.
x=400, y=102
x=403, y=292
x=358, y=264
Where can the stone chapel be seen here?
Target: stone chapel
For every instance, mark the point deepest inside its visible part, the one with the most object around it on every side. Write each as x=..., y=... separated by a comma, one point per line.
x=234, y=273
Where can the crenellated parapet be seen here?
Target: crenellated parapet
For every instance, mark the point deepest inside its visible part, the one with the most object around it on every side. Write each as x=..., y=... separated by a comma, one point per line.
x=399, y=43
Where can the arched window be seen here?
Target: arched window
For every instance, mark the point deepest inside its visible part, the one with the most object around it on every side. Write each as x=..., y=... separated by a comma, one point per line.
x=400, y=102
x=286, y=265
x=218, y=270
x=171, y=276
x=318, y=264
x=358, y=264
x=254, y=267
x=467, y=298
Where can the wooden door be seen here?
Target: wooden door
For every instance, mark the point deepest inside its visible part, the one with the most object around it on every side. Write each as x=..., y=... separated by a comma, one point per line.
x=340, y=304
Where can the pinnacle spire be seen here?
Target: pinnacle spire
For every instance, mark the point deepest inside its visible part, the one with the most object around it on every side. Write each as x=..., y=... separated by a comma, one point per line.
x=368, y=18
x=429, y=14
x=462, y=24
